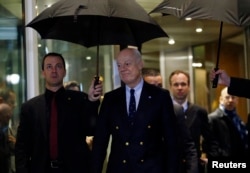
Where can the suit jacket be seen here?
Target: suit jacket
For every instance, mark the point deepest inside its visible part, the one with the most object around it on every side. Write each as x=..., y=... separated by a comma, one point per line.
x=189, y=156
x=229, y=143
x=197, y=122
x=239, y=87
x=147, y=146
x=75, y=121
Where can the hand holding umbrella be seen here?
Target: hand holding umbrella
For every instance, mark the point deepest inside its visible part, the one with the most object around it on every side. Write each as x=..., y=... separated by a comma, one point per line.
x=97, y=22
x=230, y=11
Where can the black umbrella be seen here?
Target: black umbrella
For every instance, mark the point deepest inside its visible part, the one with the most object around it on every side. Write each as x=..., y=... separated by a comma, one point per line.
x=230, y=11
x=97, y=22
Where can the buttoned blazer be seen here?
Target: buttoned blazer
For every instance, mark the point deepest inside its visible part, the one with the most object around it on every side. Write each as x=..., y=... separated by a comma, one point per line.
x=229, y=143
x=189, y=156
x=147, y=146
x=32, y=146
x=197, y=122
x=239, y=87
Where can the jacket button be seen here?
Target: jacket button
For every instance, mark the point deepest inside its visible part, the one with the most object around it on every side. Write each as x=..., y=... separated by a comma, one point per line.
x=127, y=143
x=141, y=143
x=124, y=161
x=116, y=127
x=149, y=126
x=142, y=160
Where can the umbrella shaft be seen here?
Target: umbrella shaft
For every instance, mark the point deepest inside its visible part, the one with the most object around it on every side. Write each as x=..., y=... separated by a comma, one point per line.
x=219, y=45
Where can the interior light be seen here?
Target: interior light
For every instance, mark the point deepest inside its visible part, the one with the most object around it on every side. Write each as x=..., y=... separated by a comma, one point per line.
x=197, y=64
x=13, y=78
x=188, y=18
x=88, y=57
x=171, y=41
x=198, y=30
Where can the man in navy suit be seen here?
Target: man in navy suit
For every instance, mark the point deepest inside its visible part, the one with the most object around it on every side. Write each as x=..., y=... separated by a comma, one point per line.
x=75, y=113
x=144, y=143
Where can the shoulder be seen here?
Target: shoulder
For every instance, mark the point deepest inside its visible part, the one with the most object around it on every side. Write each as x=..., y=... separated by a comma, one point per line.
x=76, y=94
x=197, y=108
x=116, y=93
x=216, y=114
x=154, y=89
x=35, y=99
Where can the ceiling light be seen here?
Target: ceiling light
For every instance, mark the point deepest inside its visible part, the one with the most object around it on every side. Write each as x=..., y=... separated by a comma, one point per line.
x=88, y=57
x=171, y=41
x=198, y=30
x=188, y=18
x=198, y=64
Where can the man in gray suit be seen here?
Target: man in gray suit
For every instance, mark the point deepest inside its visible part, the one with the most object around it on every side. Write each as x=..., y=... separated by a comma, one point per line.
x=144, y=143
x=189, y=158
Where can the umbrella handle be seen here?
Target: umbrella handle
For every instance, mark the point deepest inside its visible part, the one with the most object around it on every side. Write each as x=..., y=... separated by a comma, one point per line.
x=215, y=81
x=96, y=82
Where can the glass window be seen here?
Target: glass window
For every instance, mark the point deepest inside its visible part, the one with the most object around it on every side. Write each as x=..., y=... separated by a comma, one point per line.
x=11, y=53
x=81, y=62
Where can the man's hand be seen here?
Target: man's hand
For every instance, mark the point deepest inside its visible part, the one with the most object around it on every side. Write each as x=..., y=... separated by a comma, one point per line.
x=224, y=79
x=95, y=92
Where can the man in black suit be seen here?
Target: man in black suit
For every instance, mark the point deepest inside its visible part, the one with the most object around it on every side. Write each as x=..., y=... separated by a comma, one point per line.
x=189, y=158
x=196, y=116
x=74, y=114
x=145, y=142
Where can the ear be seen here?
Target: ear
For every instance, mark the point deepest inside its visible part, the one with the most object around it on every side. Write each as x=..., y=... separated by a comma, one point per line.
x=221, y=99
x=141, y=64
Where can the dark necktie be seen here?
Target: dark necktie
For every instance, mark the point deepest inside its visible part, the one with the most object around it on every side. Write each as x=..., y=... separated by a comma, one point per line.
x=132, y=105
x=53, y=129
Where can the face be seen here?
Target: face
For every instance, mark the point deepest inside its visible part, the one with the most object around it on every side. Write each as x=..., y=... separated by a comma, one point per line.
x=154, y=80
x=5, y=114
x=228, y=101
x=53, y=72
x=12, y=100
x=179, y=87
x=75, y=88
x=129, y=65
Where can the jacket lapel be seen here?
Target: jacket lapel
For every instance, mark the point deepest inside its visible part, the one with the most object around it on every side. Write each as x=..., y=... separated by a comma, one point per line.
x=43, y=115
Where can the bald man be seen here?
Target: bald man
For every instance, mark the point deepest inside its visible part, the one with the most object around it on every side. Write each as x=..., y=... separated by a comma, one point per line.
x=229, y=130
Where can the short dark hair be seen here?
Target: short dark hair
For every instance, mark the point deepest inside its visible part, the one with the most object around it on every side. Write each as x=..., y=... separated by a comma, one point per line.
x=53, y=54
x=150, y=72
x=5, y=93
x=179, y=72
x=69, y=84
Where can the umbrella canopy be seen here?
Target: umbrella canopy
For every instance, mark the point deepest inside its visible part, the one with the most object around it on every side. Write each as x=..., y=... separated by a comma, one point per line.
x=97, y=22
x=230, y=11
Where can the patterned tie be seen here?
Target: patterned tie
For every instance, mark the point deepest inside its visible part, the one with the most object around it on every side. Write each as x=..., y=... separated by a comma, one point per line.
x=53, y=129
x=238, y=124
x=132, y=105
